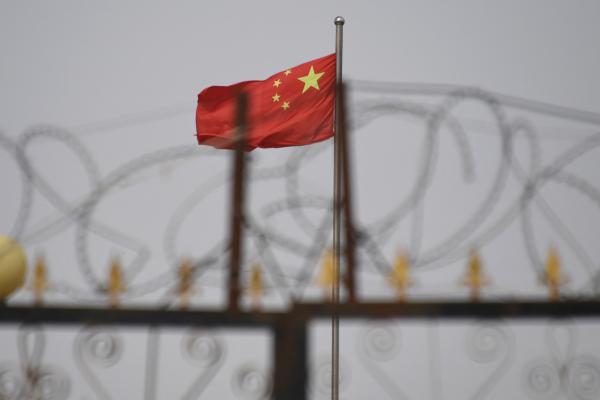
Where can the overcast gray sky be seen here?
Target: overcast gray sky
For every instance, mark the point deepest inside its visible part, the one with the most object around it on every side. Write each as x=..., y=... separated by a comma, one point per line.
x=82, y=66
x=71, y=62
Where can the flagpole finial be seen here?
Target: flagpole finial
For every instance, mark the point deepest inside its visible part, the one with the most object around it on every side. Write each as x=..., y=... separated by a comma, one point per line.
x=339, y=20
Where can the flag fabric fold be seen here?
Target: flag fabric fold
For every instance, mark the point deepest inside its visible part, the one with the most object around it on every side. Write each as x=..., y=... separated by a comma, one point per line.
x=291, y=108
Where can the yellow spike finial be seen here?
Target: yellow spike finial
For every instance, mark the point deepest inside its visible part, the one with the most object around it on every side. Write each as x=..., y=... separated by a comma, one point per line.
x=185, y=288
x=116, y=282
x=328, y=274
x=475, y=278
x=256, y=285
x=39, y=283
x=554, y=278
x=400, y=278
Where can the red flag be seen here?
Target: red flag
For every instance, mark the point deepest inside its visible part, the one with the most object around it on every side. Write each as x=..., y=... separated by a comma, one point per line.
x=291, y=108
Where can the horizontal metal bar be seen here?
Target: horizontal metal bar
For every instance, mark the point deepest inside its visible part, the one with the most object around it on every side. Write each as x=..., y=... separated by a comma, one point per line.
x=136, y=317
x=304, y=311
x=455, y=309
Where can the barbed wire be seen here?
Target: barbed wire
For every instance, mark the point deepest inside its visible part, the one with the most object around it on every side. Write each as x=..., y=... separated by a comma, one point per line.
x=485, y=222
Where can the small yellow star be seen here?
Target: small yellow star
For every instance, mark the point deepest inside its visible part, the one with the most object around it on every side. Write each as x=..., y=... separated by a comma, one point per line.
x=285, y=105
x=311, y=80
x=276, y=98
x=286, y=73
x=277, y=83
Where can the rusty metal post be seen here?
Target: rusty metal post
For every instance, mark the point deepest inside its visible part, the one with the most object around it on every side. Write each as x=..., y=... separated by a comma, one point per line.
x=350, y=237
x=290, y=358
x=237, y=204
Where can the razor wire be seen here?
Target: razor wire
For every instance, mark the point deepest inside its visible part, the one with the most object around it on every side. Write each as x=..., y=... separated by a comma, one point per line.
x=269, y=239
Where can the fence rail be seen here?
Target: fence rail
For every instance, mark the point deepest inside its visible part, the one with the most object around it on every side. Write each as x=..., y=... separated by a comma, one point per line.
x=289, y=328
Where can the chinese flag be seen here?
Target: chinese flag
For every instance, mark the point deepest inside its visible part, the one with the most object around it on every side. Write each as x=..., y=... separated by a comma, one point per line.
x=294, y=107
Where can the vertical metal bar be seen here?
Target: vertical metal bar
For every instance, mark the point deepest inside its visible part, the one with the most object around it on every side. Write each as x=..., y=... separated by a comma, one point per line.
x=335, y=321
x=350, y=238
x=152, y=352
x=237, y=204
x=290, y=355
x=434, y=360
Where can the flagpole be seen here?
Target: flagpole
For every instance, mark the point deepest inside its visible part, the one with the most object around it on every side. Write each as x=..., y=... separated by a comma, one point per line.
x=337, y=169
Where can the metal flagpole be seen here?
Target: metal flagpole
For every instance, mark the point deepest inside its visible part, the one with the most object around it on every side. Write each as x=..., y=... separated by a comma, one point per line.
x=337, y=169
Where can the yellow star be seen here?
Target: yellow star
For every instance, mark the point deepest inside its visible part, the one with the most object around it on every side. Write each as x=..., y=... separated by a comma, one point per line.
x=311, y=80
x=286, y=73
x=277, y=83
x=285, y=105
x=275, y=98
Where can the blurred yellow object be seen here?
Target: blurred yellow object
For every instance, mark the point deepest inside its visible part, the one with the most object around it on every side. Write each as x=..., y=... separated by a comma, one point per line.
x=13, y=266
x=554, y=278
x=256, y=285
x=328, y=273
x=185, y=288
x=39, y=283
x=116, y=282
x=475, y=278
x=400, y=278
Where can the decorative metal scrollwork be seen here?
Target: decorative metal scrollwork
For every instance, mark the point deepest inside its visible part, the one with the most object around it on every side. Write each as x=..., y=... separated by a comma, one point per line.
x=250, y=383
x=381, y=342
x=320, y=382
x=564, y=373
x=486, y=343
x=489, y=343
x=99, y=348
x=11, y=382
x=378, y=343
x=35, y=379
x=207, y=351
x=202, y=349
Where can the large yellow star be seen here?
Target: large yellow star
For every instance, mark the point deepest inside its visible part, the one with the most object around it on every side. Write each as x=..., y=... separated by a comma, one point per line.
x=311, y=80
